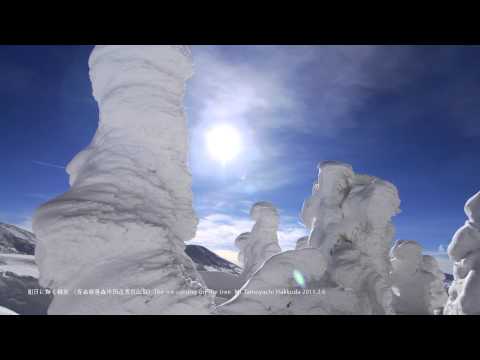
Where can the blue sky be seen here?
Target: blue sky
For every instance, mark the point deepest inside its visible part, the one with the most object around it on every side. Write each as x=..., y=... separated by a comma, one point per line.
x=407, y=114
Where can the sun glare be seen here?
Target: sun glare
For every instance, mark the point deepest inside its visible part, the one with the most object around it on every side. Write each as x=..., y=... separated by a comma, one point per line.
x=224, y=143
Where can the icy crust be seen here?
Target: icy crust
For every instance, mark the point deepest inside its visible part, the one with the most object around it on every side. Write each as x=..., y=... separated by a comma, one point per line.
x=417, y=281
x=130, y=188
x=464, y=250
x=262, y=242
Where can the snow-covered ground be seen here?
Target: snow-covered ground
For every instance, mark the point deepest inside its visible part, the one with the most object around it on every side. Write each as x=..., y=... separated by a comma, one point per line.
x=5, y=311
x=18, y=277
x=21, y=265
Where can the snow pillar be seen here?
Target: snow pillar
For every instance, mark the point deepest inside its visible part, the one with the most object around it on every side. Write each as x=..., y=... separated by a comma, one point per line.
x=464, y=250
x=417, y=281
x=262, y=242
x=349, y=216
x=129, y=210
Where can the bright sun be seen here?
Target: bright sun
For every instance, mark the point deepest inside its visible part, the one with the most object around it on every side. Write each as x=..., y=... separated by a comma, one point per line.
x=224, y=143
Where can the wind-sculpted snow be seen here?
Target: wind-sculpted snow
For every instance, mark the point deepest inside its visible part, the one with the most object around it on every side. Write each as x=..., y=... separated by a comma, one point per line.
x=464, y=250
x=350, y=220
x=262, y=242
x=349, y=217
x=130, y=203
x=417, y=281
x=281, y=285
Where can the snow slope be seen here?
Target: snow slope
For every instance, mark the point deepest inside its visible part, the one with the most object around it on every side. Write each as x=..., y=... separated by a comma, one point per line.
x=207, y=261
x=5, y=311
x=18, y=275
x=14, y=240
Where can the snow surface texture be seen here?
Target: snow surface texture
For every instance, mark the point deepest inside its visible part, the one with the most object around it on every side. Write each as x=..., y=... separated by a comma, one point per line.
x=347, y=259
x=418, y=283
x=129, y=210
x=464, y=250
x=262, y=242
x=349, y=216
x=275, y=289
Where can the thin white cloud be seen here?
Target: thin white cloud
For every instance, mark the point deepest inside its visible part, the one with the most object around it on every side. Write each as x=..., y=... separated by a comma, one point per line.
x=224, y=90
x=270, y=91
x=218, y=232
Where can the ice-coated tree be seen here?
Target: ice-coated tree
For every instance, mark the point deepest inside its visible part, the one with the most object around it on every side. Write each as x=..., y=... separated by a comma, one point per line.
x=346, y=270
x=123, y=223
x=350, y=220
x=464, y=250
x=281, y=285
x=241, y=242
x=262, y=242
x=417, y=281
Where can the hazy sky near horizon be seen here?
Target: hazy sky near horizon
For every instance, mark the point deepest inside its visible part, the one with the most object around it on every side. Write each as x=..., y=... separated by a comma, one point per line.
x=407, y=114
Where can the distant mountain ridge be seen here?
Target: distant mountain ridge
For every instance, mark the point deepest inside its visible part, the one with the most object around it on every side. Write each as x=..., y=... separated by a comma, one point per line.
x=14, y=240
x=206, y=260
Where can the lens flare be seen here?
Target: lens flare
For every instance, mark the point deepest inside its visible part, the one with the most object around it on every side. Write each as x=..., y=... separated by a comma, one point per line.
x=298, y=277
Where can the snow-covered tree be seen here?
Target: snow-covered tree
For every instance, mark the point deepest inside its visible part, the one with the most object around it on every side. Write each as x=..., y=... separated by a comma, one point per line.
x=280, y=287
x=123, y=223
x=241, y=242
x=417, y=281
x=262, y=242
x=351, y=234
x=464, y=250
x=350, y=220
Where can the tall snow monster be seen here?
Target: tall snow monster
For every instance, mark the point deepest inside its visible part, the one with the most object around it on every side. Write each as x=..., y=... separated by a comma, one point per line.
x=344, y=267
x=121, y=227
x=464, y=250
